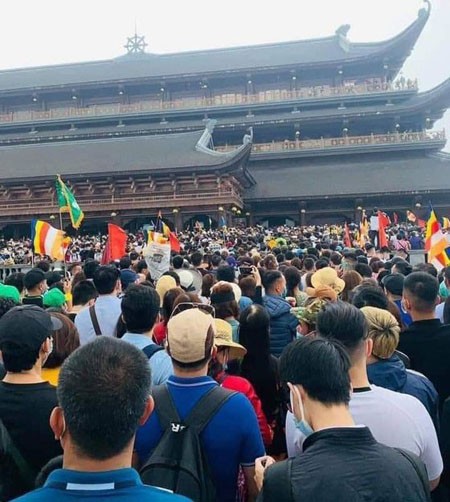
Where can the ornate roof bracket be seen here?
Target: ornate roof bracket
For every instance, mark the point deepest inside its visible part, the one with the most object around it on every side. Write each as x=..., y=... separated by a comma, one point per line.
x=205, y=143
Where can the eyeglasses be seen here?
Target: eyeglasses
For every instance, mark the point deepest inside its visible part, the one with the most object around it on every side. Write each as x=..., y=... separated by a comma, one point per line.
x=206, y=309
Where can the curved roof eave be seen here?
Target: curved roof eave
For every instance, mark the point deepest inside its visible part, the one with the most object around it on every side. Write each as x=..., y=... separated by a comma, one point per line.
x=336, y=49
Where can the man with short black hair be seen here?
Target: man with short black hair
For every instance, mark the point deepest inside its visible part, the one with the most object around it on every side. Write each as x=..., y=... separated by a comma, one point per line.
x=369, y=296
x=140, y=311
x=393, y=287
x=103, y=396
x=283, y=324
x=84, y=295
x=216, y=261
x=26, y=400
x=395, y=419
x=426, y=341
x=89, y=268
x=177, y=262
x=331, y=466
x=36, y=285
x=232, y=437
x=226, y=273
x=101, y=318
x=401, y=267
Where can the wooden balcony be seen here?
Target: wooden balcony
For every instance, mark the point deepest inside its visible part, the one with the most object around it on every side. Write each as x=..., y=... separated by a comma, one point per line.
x=346, y=142
x=207, y=103
x=121, y=203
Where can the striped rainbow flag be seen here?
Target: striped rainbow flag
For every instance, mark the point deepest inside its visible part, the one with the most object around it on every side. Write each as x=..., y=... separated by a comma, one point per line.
x=48, y=240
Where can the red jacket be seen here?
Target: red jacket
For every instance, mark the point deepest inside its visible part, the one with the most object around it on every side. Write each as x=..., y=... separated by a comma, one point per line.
x=240, y=384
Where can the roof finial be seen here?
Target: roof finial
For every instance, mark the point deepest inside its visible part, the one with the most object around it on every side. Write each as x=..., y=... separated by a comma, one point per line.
x=136, y=44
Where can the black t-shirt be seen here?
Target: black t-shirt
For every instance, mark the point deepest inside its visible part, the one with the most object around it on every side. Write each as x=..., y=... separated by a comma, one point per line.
x=33, y=300
x=25, y=411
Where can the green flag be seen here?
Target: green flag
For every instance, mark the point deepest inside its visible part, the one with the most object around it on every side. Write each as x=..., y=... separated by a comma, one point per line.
x=68, y=204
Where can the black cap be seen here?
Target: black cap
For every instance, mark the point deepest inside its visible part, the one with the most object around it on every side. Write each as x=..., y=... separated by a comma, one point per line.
x=33, y=277
x=394, y=283
x=27, y=326
x=393, y=261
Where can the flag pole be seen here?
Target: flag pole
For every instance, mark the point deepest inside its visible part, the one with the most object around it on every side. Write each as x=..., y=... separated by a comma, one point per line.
x=66, y=272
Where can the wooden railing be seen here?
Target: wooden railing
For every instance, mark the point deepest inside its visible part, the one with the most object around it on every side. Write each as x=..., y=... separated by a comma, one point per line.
x=104, y=202
x=343, y=142
x=230, y=99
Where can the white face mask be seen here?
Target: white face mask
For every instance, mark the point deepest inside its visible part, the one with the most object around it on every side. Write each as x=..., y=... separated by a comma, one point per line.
x=47, y=354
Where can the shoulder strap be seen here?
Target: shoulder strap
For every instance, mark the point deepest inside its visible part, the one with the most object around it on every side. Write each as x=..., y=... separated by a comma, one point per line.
x=165, y=407
x=152, y=349
x=208, y=405
x=26, y=472
x=94, y=320
x=277, y=481
x=419, y=467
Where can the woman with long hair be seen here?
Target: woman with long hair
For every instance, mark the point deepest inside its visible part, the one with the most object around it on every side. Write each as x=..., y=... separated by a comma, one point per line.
x=228, y=352
x=260, y=368
x=65, y=341
x=168, y=300
x=293, y=279
x=352, y=280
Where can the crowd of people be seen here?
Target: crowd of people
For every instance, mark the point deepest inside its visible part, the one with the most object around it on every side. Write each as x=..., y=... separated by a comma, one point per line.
x=262, y=365
x=20, y=251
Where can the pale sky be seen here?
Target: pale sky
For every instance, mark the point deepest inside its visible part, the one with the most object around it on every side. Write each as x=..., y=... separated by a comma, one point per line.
x=46, y=32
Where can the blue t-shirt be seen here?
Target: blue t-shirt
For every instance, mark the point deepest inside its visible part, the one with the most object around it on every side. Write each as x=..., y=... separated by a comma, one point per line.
x=230, y=439
x=121, y=485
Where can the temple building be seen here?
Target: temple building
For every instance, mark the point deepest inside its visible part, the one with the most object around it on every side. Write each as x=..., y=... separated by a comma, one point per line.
x=303, y=132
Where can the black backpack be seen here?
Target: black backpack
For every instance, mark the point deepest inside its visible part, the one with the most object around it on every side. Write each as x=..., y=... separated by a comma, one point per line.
x=178, y=462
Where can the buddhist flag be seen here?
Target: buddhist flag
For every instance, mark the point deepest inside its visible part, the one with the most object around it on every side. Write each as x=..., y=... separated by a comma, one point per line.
x=115, y=245
x=68, y=204
x=48, y=240
x=436, y=243
x=163, y=234
x=445, y=223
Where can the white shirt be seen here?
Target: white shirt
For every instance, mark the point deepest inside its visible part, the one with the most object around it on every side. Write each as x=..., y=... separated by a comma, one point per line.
x=439, y=312
x=374, y=223
x=396, y=420
x=108, y=311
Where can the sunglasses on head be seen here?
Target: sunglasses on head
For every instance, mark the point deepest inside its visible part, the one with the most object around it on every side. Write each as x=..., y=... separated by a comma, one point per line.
x=206, y=309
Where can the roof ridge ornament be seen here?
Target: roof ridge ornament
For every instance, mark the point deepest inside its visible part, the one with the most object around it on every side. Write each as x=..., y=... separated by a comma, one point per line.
x=343, y=30
x=136, y=44
x=425, y=11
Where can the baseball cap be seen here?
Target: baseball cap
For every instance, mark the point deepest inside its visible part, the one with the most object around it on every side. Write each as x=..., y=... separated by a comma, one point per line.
x=394, y=283
x=54, y=298
x=33, y=277
x=127, y=277
x=28, y=326
x=190, y=336
x=10, y=292
x=393, y=261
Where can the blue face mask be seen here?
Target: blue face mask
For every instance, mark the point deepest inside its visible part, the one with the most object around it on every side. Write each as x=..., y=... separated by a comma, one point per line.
x=302, y=425
x=284, y=293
